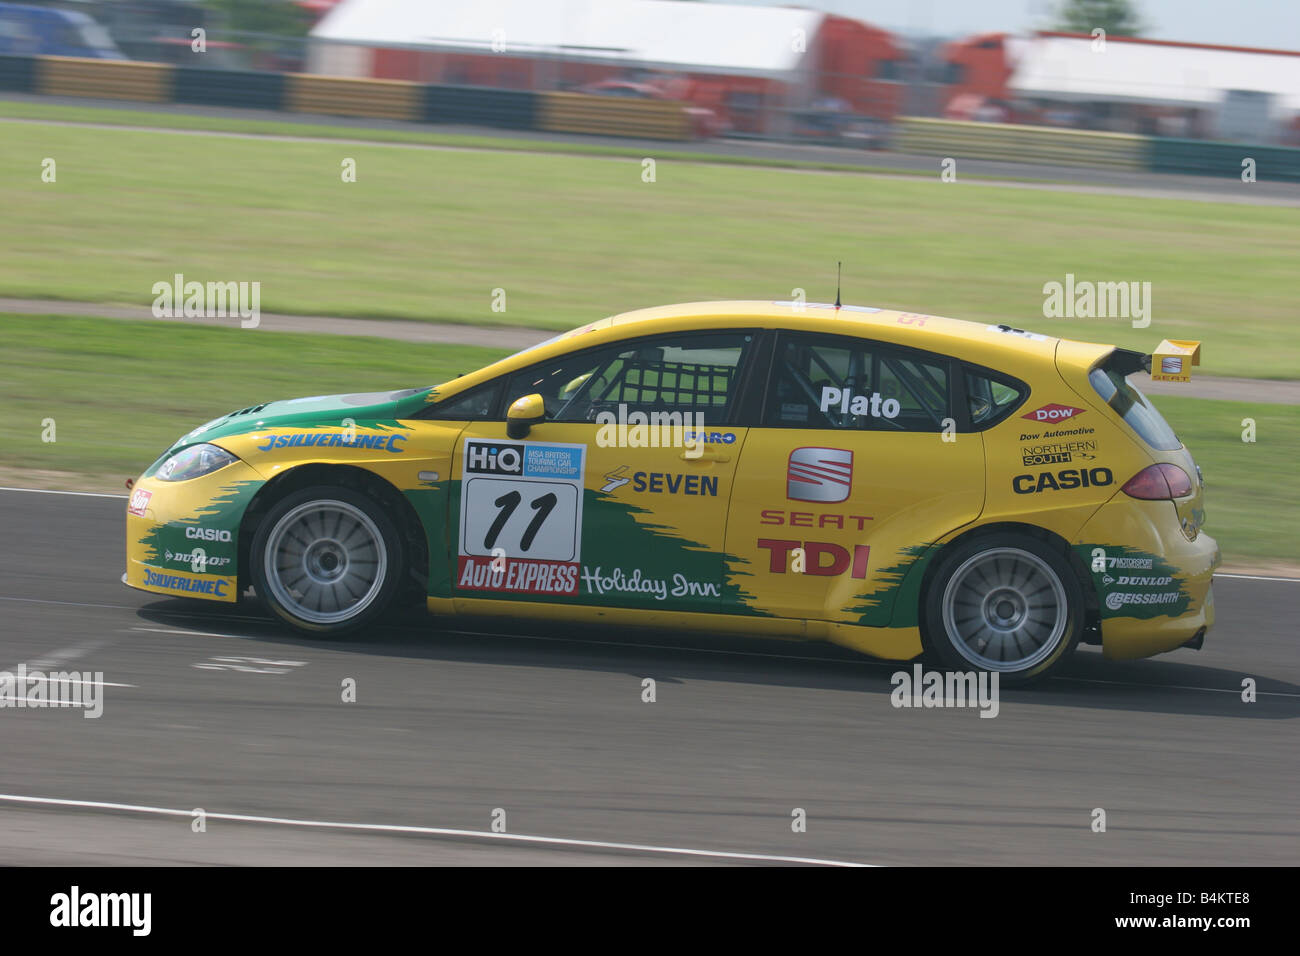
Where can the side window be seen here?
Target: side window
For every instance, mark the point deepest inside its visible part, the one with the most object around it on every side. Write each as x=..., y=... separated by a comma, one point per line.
x=687, y=373
x=832, y=382
x=476, y=405
x=991, y=397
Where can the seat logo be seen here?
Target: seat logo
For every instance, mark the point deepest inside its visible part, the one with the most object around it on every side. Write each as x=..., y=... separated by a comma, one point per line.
x=819, y=474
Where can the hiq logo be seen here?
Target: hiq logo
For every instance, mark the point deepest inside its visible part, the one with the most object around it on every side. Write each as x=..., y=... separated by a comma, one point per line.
x=493, y=458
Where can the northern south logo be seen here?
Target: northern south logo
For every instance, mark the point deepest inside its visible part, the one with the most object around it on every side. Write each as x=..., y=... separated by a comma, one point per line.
x=819, y=474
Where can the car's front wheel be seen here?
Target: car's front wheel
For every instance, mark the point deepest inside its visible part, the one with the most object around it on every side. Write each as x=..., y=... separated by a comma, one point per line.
x=326, y=560
x=1003, y=603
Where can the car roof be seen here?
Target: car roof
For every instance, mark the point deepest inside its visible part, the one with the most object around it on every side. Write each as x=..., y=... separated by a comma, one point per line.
x=997, y=346
x=916, y=329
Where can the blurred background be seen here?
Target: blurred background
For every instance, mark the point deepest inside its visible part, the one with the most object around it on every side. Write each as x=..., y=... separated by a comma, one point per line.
x=740, y=70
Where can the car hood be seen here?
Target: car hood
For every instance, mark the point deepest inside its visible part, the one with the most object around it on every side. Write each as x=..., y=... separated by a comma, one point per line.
x=316, y=410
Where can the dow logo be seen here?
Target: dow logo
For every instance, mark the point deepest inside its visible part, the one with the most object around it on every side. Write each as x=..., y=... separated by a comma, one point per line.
x=493, y=458
x=1054, y=413
x=819, y=474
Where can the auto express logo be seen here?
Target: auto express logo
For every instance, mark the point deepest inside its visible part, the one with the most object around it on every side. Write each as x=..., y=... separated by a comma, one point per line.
x=920, y=688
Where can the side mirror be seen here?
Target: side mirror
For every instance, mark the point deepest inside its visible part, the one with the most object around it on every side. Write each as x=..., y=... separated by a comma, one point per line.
x=523, y=414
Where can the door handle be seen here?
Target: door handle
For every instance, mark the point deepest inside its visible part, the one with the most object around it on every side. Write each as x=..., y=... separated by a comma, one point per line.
x=707, y=454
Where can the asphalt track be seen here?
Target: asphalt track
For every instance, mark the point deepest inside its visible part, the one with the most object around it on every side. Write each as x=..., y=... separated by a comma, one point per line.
x=218, y=708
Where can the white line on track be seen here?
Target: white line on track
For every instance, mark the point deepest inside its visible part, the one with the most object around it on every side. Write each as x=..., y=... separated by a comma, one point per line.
x=46, y=491
x=1134, y=683
x=60, y=657
x=119, y=607
x=165, y=630
x=432, y=831
x=1256, y=577
x=92, y=683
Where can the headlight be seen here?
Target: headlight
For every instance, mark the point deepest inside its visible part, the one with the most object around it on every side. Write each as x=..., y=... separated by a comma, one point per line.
x=194, y=462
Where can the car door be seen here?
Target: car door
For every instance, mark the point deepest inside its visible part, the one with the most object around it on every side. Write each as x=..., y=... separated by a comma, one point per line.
x=850, y=476
x=619, y=498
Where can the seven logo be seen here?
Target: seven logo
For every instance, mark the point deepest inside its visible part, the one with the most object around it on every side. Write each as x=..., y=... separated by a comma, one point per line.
x=819, y=474
x=1054, y=413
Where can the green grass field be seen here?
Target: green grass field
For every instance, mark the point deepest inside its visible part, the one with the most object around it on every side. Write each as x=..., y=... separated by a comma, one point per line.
x=120, y=392
x=429, y=234
x=407, y=134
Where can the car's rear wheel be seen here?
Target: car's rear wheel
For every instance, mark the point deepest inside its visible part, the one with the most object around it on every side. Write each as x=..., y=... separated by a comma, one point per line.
x=1003, y=603
x=326, y=560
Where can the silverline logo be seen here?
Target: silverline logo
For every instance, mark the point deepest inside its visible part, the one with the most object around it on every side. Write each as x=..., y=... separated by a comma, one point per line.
x=76, y=909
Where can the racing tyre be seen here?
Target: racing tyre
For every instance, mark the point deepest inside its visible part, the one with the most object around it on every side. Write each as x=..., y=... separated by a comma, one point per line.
x=327, y=560
x=1003, y=603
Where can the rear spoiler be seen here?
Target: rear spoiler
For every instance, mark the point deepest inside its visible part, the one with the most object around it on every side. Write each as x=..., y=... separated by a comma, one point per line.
x=1172, y=361
x=1127, y=361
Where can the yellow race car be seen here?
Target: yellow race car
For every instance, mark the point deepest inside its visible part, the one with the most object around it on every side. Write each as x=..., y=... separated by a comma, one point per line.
x=892, y=482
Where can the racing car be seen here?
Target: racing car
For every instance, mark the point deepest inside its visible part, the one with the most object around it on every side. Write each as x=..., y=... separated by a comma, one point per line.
x=894, y=482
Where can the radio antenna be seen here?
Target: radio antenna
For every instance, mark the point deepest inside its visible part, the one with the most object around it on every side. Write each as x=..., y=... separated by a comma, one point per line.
x=837, y=284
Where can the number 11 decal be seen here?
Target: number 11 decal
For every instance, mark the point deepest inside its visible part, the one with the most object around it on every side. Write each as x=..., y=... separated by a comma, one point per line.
x=523, y=498
x=507, y=504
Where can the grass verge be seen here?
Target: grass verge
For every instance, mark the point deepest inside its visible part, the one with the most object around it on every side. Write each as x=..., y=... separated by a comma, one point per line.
x=433, y=234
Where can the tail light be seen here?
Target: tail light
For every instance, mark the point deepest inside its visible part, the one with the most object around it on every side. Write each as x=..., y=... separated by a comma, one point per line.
x=1159, y=483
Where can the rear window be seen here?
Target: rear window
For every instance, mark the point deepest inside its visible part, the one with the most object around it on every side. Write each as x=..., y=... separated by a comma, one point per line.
x=1132, y=406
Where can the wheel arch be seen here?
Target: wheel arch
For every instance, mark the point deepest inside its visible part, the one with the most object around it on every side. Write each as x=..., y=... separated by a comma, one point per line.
x=1092, y=607
x=415, y=541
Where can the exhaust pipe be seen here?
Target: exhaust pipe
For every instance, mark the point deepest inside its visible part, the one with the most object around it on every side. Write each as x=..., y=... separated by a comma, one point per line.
x=1197, y=640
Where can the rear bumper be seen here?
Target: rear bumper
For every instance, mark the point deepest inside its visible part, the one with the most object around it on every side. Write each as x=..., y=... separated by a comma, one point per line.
x=1153, y=586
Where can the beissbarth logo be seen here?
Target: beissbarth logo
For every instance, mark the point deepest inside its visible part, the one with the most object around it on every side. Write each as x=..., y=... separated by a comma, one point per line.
x=819, y=474
x=1054, y=413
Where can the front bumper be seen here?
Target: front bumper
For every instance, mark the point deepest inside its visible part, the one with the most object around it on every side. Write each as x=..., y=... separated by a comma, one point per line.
x=182, y=538
x=1153, y=585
